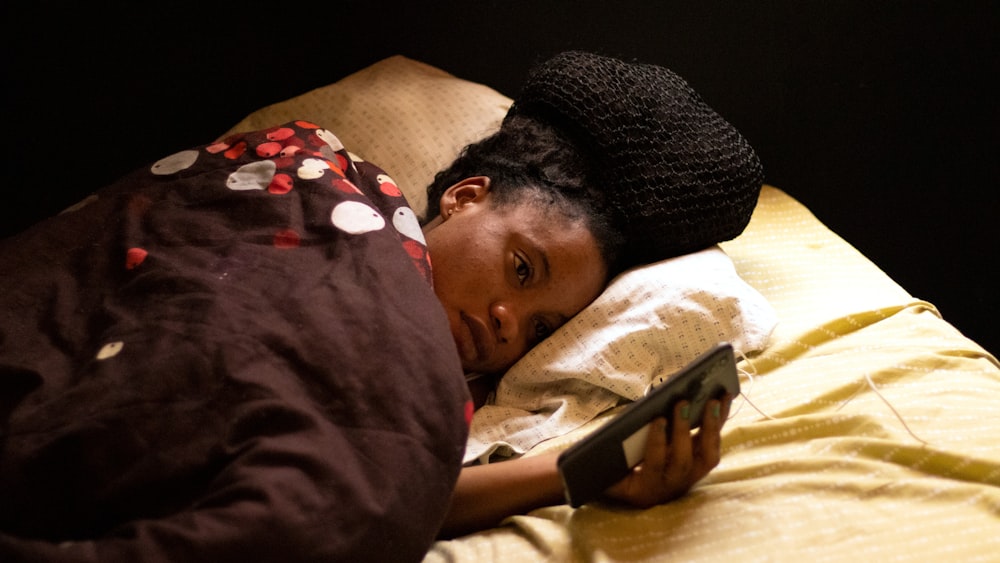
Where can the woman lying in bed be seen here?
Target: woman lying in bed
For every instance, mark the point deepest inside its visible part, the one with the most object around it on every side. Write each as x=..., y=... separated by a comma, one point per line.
x=514, y=259
x=580, y=201
x=205, y=361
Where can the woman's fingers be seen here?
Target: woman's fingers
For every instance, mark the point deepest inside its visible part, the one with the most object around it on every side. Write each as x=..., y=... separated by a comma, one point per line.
x=708, y=442
x=657, y=454
x=680, y=460
x=675, y=459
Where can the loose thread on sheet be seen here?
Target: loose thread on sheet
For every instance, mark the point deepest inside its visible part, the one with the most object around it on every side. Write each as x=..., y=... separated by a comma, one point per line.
x=749, y=374
x=893, y=409
x=745, y=389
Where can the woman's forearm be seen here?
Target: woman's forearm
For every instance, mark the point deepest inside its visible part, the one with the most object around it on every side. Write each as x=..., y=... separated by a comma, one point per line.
x=673, y=462
x=486, y=494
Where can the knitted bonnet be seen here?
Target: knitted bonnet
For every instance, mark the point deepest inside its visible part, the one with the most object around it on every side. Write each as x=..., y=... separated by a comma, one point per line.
x=679, y=177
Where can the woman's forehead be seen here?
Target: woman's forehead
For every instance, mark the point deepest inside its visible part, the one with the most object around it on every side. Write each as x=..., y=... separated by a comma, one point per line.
x=565, y=247
x=547, y=210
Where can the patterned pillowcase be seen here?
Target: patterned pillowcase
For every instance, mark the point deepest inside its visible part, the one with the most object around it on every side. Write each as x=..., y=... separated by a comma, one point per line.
x=649, y=323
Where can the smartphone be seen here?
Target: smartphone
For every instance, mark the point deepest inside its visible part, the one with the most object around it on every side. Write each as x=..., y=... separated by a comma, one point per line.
x=607, y=455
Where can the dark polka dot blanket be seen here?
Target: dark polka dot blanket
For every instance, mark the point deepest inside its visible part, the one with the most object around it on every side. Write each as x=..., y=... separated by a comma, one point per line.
x=232, y=354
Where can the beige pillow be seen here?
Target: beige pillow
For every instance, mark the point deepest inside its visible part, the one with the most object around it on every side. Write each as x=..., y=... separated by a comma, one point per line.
x=407, y=117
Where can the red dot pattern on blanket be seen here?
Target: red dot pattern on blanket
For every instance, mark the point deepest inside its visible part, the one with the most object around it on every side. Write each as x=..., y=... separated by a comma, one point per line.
x=287, y=238
x=469, y=410
x=414, y=249
x=281, y=184
x=345, y=186
x=342, y=161
x=216, y=148
x=387, y=186
x=281, y=133
x=422, y=260
x=335, y=167
x=134, y=257
x=267, y=150
x=316, y=140
x=278, y=158
x=236, y=150
x=292, y=145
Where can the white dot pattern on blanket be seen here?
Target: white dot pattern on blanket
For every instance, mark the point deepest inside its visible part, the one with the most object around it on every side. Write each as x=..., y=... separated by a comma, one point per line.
x=174, y=163
x=253, y=176
x=110, y=350
x=356, y=218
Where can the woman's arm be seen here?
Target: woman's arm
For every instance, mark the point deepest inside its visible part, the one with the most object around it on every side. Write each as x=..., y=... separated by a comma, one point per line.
x=486, y=494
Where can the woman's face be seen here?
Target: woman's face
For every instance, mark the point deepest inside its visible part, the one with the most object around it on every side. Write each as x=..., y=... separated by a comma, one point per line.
x=508, y=277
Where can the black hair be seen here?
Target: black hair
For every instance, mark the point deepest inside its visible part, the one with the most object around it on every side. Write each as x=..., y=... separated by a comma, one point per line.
x=529, y=159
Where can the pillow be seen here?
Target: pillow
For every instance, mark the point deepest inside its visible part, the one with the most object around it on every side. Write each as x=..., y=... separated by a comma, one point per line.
x=649, y=323
x=409, y=118
x=412, y=119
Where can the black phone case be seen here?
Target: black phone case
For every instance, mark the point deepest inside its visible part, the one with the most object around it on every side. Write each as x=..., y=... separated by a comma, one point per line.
x=598, y=461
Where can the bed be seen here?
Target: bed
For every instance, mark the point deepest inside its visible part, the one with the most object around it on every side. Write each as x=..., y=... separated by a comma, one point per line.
x=866, y=428
x=868, y=425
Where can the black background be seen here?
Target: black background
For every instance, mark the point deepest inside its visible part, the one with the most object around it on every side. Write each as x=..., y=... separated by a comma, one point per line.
x=880, y=116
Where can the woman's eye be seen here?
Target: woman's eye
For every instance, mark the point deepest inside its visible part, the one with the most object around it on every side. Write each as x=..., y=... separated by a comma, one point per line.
x=542, y=331
x=522, y=269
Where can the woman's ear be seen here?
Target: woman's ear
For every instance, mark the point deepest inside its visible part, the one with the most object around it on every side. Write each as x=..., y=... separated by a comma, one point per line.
x=465, y=192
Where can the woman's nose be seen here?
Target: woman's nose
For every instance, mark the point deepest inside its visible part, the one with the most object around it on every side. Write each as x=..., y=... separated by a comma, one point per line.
x=505, y=321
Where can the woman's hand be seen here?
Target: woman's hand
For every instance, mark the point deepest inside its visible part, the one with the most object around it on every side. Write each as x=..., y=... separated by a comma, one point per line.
x=485, y=494
x=674, y=461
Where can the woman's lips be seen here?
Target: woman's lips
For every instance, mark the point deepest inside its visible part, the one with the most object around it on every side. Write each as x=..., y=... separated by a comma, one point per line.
x=464, y=341
x=476, y=339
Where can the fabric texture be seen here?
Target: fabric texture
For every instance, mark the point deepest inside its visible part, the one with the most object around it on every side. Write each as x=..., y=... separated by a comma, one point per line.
x=648, y=324
x=680, y=176
x=234, y=354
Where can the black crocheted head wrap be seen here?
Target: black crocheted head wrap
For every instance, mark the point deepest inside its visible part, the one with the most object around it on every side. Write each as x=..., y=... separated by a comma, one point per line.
x=679, y=175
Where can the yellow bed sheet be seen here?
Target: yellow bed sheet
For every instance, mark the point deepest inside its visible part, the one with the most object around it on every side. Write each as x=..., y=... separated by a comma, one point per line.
x=820, y=467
